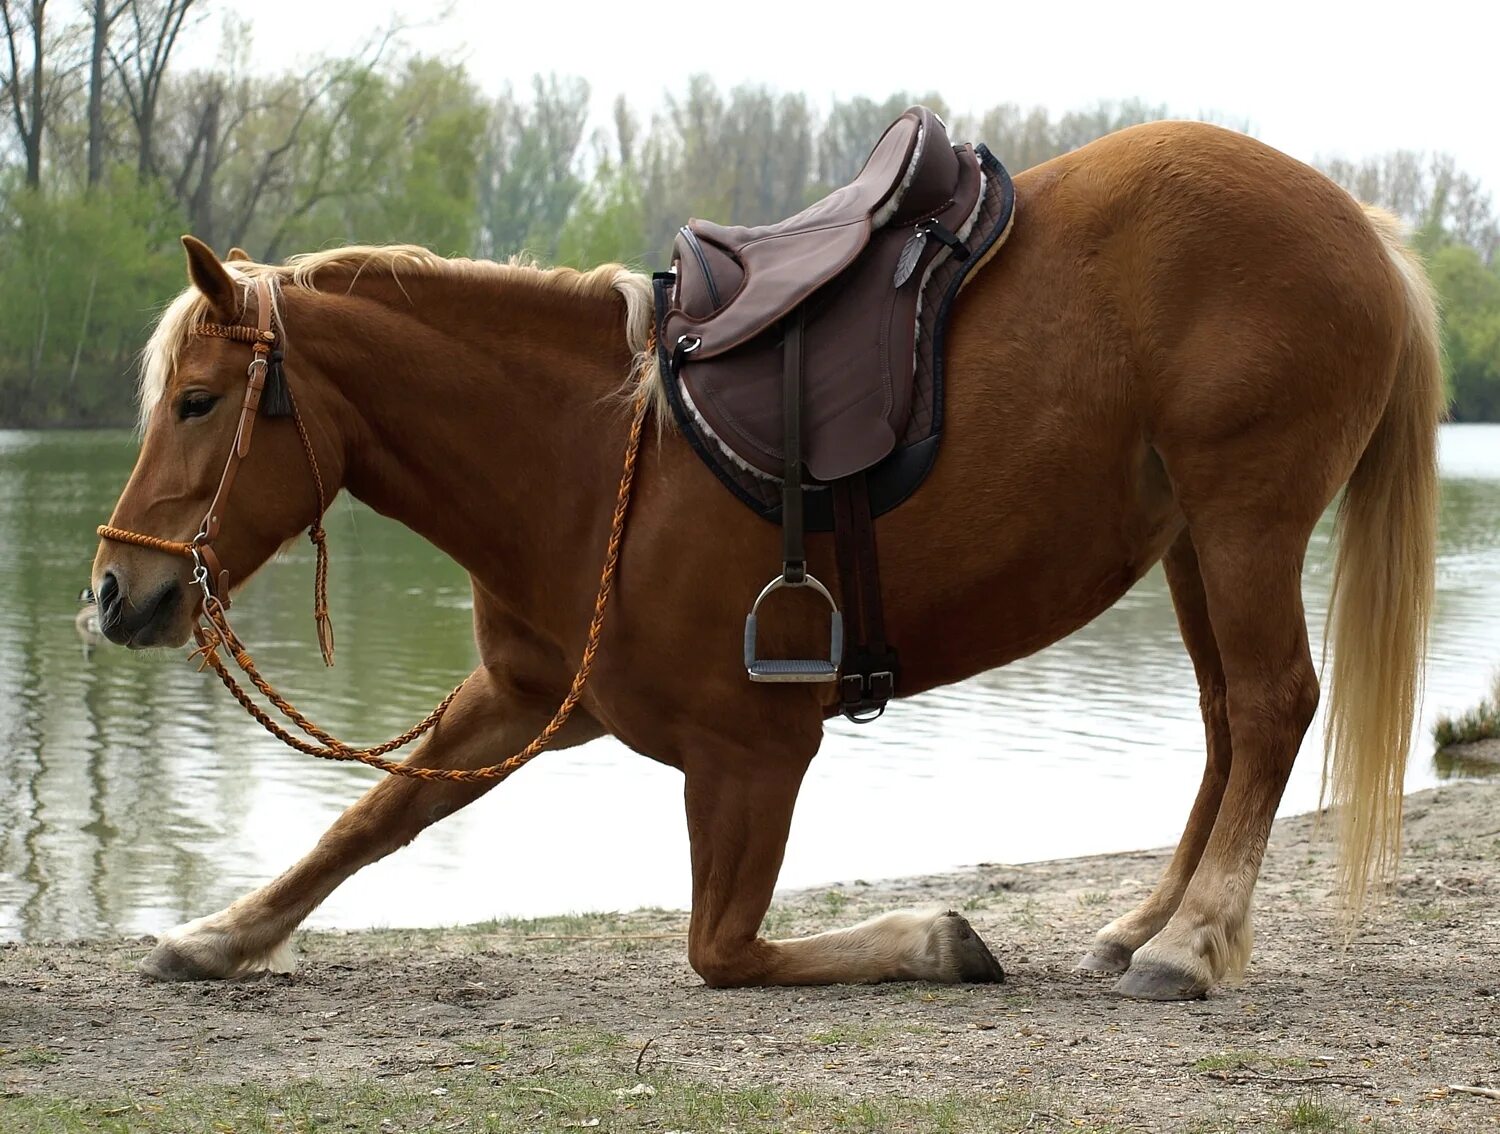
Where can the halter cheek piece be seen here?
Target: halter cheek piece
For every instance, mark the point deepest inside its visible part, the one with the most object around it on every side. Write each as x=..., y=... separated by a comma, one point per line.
x=263, y=379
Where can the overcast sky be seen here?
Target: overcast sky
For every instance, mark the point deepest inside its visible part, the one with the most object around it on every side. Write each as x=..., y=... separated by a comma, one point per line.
x=1312, y=78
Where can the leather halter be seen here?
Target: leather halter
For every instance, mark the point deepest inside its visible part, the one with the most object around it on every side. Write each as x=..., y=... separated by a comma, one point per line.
x=208, y=572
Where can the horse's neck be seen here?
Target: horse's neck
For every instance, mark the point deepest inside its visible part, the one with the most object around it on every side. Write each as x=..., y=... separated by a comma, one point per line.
x=487, y=425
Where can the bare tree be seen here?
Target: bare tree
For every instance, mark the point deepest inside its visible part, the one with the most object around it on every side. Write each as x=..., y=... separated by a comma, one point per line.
x=26, y=21
x=1429, y=192
x=141, y=64
x=102, y=16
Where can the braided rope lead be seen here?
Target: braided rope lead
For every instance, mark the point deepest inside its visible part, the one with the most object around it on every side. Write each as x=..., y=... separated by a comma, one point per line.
x=218, y=633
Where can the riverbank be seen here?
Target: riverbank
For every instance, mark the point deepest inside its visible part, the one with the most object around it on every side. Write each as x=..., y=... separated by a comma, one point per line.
x=597, y=1022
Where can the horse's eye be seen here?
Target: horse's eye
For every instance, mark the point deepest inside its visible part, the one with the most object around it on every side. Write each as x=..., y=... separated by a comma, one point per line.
x=196, y=404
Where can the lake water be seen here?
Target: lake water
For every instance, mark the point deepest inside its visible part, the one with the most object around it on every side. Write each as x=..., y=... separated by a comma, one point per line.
x=135, y=794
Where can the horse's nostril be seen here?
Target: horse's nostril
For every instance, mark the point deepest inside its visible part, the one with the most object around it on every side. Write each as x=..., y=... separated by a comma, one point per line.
x=109, y=597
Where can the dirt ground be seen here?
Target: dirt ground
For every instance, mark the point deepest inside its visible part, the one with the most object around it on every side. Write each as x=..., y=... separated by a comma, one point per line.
x=1321, y=1037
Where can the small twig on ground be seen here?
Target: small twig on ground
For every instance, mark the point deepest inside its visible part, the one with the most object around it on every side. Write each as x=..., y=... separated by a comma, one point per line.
x=1248, y=1076
x=695, y=1064
x=640, y=1055
x=546, y=1091
x=1482, y=1092
x=657, y=1060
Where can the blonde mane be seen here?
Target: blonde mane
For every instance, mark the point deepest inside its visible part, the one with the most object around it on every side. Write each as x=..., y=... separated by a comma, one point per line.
x=175, y=326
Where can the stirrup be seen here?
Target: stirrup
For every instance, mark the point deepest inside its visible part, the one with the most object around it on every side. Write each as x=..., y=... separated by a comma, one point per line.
x=795, y=669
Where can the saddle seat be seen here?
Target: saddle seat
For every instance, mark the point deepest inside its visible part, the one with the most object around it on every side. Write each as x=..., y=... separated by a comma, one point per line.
x=853, y=267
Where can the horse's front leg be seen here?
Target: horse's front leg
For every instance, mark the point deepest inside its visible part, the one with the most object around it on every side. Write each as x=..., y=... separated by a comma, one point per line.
x=739, y=811
x=487, y=722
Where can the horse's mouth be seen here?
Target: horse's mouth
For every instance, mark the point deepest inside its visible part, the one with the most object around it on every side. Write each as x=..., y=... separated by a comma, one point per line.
x=145, y=627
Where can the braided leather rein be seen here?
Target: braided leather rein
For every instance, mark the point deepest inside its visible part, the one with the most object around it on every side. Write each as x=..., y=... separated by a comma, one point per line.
x=215, y=631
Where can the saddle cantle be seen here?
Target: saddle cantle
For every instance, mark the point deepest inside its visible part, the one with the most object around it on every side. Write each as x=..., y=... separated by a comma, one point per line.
x=803, y=359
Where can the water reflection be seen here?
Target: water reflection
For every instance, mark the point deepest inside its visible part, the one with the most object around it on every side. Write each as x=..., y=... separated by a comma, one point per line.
x=134, y=793
x=1456, y=764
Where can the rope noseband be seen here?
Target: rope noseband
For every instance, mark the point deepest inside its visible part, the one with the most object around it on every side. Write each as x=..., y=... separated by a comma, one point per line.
x=215, y=631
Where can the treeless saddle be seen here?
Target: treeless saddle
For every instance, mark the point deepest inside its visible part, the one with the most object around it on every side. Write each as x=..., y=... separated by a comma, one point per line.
x=803, y=360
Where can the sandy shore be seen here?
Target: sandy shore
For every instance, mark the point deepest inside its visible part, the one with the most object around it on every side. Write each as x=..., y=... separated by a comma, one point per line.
x=599, y=1022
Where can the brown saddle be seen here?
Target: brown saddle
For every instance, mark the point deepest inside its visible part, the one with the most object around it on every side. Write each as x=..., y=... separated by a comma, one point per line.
x=803, y=361
x=858, y=260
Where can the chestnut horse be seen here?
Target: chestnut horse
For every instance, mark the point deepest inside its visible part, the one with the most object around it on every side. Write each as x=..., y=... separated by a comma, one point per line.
x=1190, y=343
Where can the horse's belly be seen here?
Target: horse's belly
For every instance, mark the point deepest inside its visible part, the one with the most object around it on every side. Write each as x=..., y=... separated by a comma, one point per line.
x=1029, y=527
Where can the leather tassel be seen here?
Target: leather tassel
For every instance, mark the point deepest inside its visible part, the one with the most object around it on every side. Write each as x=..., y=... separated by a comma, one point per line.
x=276, y=399
x=324, y=623
x=325, y=637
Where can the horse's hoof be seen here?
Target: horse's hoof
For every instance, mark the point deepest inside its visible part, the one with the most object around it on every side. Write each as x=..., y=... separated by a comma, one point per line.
x=969, y=958
x=1157, y=981
x=1106, y=957
x=167, y=962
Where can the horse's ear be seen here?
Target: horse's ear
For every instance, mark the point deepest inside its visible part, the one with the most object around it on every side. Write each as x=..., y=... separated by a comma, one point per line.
x=208, y=276
x=236, y=253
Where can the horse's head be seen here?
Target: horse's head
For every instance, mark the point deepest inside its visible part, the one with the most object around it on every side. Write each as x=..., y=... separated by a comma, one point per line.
x=204, y=508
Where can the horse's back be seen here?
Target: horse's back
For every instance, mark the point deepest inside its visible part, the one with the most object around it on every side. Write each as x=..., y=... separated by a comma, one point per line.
x=1174, y=288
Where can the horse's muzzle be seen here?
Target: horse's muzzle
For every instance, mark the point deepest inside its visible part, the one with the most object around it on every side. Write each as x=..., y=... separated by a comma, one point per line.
x=137, y=625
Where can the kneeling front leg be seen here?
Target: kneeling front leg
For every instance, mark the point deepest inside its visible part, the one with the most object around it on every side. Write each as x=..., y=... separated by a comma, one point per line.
x=738, y=820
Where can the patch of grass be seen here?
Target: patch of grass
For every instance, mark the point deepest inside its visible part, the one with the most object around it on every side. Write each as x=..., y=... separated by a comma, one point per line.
x=1482, y=722
x=864, y=1035
x=1091, y=898
x=625, y=931
x=29, y=1057
x=1425, y=912
x=587, y=1041
x=778, y=922
x=834, y=902
x=1246, y=1060
x=1308, y=1114
x=484, y=1104
x=1029, y=914
x=489, y=1051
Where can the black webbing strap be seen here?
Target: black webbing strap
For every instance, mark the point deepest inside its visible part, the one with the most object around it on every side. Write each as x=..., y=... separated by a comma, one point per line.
x=793, y=556
x=868, y=673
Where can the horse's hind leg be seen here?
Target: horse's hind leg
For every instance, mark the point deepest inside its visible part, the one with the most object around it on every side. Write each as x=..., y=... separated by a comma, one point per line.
x=1251, y=563
x=739, y=813
x=1118, y=941
x=484, y=725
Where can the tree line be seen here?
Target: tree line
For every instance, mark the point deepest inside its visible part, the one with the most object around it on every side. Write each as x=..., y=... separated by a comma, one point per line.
x=113, y=145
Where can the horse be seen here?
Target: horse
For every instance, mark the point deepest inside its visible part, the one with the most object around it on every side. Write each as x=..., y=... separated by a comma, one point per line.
x=1189, y=346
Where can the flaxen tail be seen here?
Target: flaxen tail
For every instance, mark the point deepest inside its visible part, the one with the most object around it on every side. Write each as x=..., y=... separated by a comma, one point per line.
x=1382, y=594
